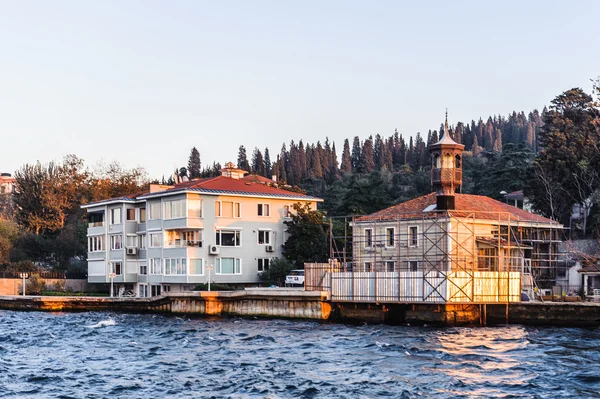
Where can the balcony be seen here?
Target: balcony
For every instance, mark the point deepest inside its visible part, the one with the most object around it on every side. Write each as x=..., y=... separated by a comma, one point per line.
x=179, y=243
x=443, y=175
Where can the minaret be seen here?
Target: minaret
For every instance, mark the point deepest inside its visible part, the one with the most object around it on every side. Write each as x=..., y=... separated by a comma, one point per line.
x=446, y=169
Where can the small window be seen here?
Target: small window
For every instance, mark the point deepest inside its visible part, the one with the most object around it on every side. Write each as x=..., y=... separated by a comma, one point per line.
x=263, y=210
x=227, y=238
x=263, y=264
x=413, y=265
x=154, y=210
x=228, y=266
x=367, y=266
x=155, y=240
x=142, y=215
x=264, y=237
x=413, y=236
x=143, y=268
x=155, y=266
x=117, y=268
x=132, y=241
x=196, y=267
x=115, y=216
x=194, y=208
x=116, y=241
x=142, y=241
x=389, y=237
x=130, y=215
x=390, y=265
x=458, y=161
x=368, y=238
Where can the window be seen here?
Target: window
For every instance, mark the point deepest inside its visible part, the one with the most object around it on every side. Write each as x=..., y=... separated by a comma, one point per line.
x=193, y=238
x=196, y=267
x=390, y=265
x=116, y=268
x=115, y=216
x=95, y=243
x=368, y=238
x=367, y=266
x=263, y=264
x=228, y=209
x=413, y=265
x=132, y=241
x=155, y=240
x=413, y=236
x=116, y=241
x=130, y=214
x=143, y=290
x=154, y=210
x=389, y=237
x=264, y=237
x=142, y=241
x=143, y=268
x=96, y=219
x=194, y=208
x=228, y=266
x=174, y=209
x=155, y=266
x=263, y=210
x=227, y=238
x=175, y=266
x=287, y=211
x=487, y=259
x=142, y=215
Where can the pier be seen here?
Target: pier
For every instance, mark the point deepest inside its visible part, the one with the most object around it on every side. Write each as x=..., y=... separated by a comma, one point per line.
x=314, y=305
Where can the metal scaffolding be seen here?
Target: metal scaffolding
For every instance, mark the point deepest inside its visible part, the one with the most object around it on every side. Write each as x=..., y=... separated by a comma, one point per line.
x=440, y=257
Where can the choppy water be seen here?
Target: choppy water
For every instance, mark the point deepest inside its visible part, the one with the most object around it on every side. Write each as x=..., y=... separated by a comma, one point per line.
x=103, y=355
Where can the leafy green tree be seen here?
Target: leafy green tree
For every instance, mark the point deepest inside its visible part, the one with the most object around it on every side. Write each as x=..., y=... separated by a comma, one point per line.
x=307, y=240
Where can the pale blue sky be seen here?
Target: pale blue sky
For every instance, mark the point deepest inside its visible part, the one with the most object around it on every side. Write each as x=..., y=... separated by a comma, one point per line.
x=141, y=82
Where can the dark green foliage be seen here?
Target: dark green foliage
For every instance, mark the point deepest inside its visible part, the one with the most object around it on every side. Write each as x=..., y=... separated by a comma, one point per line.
x=307, y=237
x=194, y=164
x=278, y=269
x=242, y=159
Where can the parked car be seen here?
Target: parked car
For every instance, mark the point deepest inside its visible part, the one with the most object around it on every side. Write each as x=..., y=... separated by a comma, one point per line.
x=296, y=277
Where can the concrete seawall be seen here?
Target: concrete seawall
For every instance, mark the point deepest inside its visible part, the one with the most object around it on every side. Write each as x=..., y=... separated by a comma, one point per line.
x=298, y=304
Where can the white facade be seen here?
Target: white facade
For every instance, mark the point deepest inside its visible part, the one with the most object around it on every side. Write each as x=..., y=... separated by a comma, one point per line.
x=175, y=239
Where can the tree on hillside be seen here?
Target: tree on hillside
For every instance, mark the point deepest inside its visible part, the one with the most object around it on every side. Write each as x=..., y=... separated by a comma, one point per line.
x=346, y=166
x=307, y=240
x=570, y=155
x=268, y=165
x=194, y=164
x=242, y=159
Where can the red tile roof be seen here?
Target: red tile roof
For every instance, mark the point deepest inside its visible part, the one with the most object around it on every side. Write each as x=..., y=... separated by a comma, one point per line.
x=228, y=185
x=466, y=205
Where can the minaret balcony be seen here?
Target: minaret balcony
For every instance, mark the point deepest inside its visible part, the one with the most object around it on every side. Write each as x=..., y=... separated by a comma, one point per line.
x=446, y=175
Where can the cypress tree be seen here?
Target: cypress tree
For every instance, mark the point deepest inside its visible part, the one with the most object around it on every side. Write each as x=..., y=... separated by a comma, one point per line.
x=346, y=166
x=242, y=160
x=194, y=164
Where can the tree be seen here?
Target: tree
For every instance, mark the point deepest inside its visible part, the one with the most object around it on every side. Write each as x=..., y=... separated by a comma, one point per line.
x=346, y=166
x=570, y=155
x=355, y=156
x=194, y=165
x=268, y=165
x=242, y=159
x=277, y=271
x=307, y=240
x=258, y=162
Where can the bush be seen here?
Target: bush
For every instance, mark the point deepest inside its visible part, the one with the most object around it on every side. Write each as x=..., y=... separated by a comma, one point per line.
x=59, y=286
x=35, y=285
x=278, y=269
x=216, y=287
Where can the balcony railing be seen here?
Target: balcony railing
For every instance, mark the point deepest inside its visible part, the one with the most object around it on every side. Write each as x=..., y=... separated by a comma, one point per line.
x=183, y=244
x=442, y=175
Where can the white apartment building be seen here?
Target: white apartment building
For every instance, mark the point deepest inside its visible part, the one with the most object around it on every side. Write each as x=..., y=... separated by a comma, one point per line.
x=171, y=238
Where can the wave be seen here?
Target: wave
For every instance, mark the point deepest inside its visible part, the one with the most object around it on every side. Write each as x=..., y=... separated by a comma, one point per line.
x=104, y=323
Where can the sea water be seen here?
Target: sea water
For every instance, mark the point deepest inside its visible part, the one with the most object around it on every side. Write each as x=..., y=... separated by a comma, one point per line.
x=115, y=355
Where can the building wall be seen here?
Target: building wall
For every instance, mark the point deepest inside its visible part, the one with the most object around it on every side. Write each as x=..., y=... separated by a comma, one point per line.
x=249, y=224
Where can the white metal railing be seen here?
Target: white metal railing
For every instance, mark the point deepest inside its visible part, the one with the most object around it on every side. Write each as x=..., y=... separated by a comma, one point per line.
x=178, y=243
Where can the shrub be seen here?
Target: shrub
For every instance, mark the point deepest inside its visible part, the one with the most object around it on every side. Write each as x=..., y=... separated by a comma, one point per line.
x=35, y=285
x=278, y=269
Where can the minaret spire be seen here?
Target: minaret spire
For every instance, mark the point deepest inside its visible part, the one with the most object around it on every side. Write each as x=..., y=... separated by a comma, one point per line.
x=446, y=125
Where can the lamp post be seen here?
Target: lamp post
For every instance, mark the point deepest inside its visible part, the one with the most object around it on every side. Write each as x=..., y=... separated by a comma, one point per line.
x=24, y=276
x=209, y=269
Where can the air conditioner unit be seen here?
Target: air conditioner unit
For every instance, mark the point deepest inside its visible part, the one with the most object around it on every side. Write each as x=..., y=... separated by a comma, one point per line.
x=131, y=251
x=214, y=249
x=270, y=248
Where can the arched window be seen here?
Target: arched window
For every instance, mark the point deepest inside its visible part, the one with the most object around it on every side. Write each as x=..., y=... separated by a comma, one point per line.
x=458, y=161
x=436, y=161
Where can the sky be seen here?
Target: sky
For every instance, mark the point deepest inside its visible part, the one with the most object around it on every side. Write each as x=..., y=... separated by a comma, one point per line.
x=142, y=82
